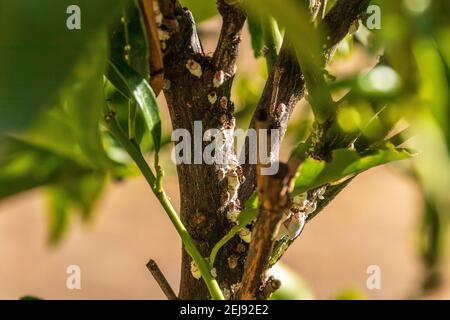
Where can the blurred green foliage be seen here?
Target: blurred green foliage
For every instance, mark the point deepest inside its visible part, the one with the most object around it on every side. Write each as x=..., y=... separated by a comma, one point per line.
x=51, y=103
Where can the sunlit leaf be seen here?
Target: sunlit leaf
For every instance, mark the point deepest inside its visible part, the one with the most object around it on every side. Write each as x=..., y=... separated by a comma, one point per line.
x=435, y=85
x=345, y=163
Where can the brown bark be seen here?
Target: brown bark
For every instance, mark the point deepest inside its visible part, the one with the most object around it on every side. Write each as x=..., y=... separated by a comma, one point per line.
x=189, y=93
x=155, y=59
x=202, y=207
x=286, y=82
x=274, y=198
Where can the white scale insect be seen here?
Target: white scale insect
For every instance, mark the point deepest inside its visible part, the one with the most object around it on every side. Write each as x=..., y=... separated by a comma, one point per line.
x=296, y=216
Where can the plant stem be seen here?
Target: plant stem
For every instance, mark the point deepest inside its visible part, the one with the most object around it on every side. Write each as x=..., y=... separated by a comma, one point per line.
x=189, y=245
x=222, y=242
x=132, y=120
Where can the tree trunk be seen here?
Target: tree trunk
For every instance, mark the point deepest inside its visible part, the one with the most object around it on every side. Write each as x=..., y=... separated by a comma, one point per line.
x=203, y=209
x=197, y=87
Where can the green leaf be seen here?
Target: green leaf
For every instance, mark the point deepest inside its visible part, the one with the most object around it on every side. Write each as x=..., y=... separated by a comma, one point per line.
x=83, y=100
x=85, y=191
x=58, y=211
x=38, y=53
x=30, y=298
x=201, y=9
x=128, y=41
x=72, y=128
x=79, y=193
x=123, y=76
x=256, y=32
x=19, y=170
x=52, y=132
x=345, y=163
x=434, y=86
x=71, y=185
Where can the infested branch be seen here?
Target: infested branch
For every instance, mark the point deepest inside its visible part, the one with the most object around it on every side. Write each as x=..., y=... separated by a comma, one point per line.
x=286, y=82
x=338, y=21
x=273, y=192
x=225, y=55
x=198, y=88
x=275, y=198
x=285, y=87
x=177, y=31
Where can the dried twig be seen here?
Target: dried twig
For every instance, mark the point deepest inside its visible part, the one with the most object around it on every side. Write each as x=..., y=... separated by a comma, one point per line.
x=273, y=191
x=150, y=10
x=161, y=280
x=275, y=198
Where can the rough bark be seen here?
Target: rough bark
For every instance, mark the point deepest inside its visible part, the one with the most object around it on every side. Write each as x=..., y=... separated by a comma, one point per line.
x=286, y=84
x=194, y=95
x=189, y=99
x=273, y=200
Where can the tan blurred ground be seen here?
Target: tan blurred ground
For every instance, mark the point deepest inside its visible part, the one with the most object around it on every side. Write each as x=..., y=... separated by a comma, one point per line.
x=373, y=222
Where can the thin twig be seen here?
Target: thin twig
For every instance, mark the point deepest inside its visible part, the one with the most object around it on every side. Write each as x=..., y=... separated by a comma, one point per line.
x=161, y=280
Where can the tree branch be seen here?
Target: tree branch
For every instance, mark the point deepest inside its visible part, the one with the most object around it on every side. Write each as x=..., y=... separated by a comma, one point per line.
x=225, y=55
x=338, y=21
x=286, y=85
x=177, y=31
x=273, y=192
x=197, y=90
x=275, y=198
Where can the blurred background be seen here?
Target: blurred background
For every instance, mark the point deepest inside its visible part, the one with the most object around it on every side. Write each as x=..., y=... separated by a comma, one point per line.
x=394, y=216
